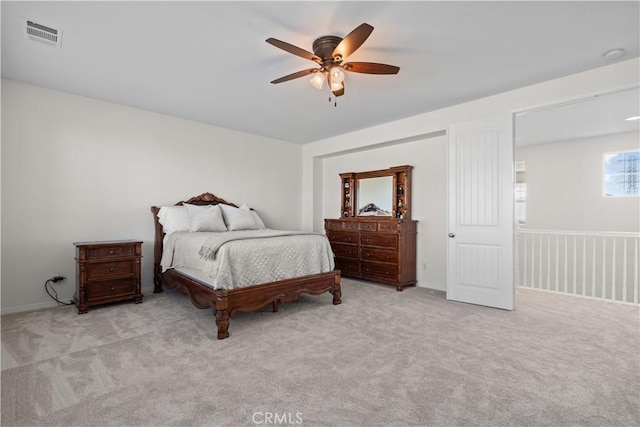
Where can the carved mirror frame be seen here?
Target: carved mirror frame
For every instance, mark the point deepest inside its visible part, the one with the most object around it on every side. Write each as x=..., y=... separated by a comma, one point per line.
x=400, y=197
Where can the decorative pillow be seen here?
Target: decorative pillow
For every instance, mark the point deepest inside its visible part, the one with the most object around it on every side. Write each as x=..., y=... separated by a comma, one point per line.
x=256, y=218
x=239, y=218
x=205, y=218
x=174, y=219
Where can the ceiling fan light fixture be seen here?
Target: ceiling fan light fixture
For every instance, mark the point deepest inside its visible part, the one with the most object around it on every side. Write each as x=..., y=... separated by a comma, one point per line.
x=337, y=75
x=317, y=80
x=336, y=86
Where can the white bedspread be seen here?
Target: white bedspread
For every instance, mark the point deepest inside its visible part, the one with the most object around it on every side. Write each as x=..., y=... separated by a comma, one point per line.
x=235, y=259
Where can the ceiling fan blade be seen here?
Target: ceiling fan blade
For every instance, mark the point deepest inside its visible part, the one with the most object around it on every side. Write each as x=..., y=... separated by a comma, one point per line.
x=370, y=68
x=294, y=49
x=295, y=75
x=352, y=41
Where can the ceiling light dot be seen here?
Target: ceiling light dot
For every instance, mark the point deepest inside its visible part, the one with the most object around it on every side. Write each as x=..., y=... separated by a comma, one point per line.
x=613, y=54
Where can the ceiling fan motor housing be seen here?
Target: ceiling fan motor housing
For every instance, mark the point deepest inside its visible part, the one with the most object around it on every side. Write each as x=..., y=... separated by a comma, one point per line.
x=325, y=45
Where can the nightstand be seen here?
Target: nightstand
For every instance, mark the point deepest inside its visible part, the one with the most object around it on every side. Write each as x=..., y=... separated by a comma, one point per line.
x=107, y=271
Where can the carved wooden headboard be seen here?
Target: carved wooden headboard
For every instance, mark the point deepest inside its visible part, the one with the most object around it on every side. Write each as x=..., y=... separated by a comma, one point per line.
x=202, y=199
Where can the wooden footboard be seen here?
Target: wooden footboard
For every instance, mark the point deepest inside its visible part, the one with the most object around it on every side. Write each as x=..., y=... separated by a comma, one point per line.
x=227, y=303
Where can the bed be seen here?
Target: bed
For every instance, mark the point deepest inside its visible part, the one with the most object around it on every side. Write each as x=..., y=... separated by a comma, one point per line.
x=227, y=301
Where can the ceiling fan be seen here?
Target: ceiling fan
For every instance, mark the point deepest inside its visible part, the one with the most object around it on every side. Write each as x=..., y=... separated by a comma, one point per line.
x=329, y=52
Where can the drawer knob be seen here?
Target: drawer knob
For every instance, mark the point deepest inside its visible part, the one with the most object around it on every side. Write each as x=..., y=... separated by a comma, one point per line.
x=112, y=269
x=113, y=288
x=111, y=252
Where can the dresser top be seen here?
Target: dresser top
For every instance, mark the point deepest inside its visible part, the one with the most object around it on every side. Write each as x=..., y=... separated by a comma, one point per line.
x=371, y=218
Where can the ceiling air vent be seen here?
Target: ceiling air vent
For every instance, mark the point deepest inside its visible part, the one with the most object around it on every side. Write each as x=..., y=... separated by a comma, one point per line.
x=42, y=33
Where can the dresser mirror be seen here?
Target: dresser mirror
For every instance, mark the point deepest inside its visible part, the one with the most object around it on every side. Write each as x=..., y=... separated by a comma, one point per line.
x=382, y=193
x=375, y=196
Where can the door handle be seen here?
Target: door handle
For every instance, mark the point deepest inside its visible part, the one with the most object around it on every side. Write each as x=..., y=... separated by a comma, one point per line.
x=452, y=235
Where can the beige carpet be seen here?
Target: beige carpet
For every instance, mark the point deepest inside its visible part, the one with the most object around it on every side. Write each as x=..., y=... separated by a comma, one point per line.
x=381, y=358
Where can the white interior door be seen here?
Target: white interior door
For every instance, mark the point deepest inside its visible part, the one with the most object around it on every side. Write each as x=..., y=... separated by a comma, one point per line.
x=480, y=261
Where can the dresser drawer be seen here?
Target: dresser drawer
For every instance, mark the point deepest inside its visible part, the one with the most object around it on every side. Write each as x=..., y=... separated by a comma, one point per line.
x=110, y=289
x=106, y=270
x=379, y=255
x=369, y=226
x=383, y=240
x=392, y=226
x=345, y=251
x=379, y=270
x=348, y=267
x=333, y=225
x=343, y=237
x=114, y=251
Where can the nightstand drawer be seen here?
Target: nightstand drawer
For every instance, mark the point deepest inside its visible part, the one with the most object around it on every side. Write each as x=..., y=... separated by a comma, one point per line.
x=114, y=288
x=103, y=252
x=105, y=270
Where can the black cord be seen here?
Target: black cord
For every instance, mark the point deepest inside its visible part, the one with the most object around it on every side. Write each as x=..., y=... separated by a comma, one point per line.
x=48, y=287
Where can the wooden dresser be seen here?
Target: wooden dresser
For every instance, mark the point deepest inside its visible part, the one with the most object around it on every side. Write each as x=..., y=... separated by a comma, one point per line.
x=380, y=250
x=107, y=271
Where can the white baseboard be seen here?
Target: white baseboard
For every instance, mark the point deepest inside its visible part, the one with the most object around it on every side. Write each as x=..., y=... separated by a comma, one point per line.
x=30, y=307
x=50, y=304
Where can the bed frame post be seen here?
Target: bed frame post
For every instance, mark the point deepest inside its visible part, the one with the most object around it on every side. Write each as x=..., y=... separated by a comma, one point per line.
x=337, y=290
x=222, y=313
x=157, y=252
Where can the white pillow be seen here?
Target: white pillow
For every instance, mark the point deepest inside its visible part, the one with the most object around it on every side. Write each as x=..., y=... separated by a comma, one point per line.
x=257, y=219
x=174, y=219
x=239, y=218
x=205, y=218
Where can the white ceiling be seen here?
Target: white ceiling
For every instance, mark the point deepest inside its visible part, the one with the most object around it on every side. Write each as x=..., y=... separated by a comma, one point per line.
x=594, y=116
x=209, y=62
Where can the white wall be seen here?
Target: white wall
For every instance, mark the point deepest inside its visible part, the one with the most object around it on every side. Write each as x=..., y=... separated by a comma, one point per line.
x=565, y=186
x=401, y=134
x=78, y=169
x=428, y=196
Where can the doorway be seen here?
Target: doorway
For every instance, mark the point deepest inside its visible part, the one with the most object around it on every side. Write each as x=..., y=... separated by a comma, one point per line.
x=576, y=204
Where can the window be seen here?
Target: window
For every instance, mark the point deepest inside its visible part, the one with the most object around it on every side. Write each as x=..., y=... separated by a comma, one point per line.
x=622, y=174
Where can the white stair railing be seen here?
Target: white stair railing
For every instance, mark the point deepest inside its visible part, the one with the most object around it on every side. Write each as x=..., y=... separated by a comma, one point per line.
x=602, y=265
